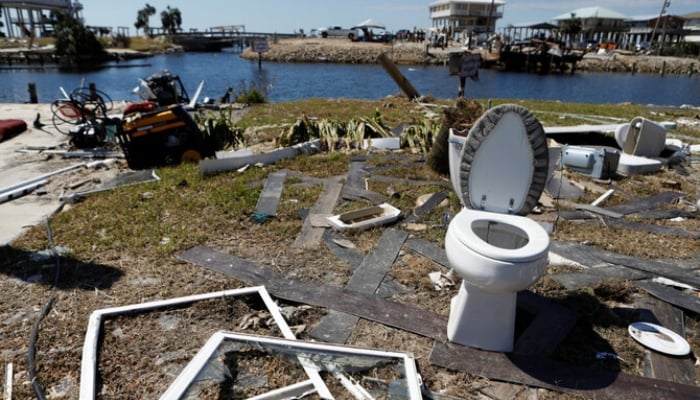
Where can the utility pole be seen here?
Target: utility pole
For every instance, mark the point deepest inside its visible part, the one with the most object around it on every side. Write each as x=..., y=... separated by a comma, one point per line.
x=488, y=20
x=656, y=25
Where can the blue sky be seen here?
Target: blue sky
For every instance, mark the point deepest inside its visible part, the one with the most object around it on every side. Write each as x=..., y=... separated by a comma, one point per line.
x=287, y=16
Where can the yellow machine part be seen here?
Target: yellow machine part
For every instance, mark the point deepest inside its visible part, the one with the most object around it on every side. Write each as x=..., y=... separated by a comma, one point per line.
x=140, y=125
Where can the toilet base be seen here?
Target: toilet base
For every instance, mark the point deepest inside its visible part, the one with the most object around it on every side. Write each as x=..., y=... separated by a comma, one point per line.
x=482, y=319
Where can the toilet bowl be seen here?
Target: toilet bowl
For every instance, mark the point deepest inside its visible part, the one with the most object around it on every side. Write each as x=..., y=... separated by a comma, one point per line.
x=498, y=174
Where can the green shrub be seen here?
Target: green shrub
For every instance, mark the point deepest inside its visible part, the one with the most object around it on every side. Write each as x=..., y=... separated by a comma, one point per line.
x=251, y=94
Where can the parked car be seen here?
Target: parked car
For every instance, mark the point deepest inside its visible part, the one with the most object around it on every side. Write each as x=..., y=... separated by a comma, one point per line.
x=337, y=32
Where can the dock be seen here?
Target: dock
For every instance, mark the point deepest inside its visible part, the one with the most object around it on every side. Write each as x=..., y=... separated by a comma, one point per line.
x=538, y=56
x=218, y=38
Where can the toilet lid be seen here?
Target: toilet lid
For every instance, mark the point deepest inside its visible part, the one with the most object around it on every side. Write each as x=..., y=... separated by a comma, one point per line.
x=504, y=162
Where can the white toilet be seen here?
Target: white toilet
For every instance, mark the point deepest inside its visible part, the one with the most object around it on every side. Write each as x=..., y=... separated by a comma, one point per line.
x=498, y=171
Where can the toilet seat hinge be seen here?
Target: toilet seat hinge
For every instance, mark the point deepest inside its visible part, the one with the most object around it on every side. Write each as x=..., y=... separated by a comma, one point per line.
x=483, y=202
x=510, y=206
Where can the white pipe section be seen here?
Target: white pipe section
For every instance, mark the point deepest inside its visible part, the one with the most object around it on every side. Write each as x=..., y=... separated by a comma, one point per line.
x=8, y=382
x=41, y=177
x=21, y=191
x=602, y=198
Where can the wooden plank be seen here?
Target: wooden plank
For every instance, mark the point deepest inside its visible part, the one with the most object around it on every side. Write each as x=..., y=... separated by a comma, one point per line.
x=397, y=315
x=666, y=214
x=672, y=296
x=662, y=366
x=351, y=256
x=270, y=196
x=410, y=182
x=527, y=370
x=401, y=316
x=651, y=228
x=581, y=253
x=429, y=250
x=356, y=175
x=594, y=276
x=336, y=326
x=649, y=203
x=310, y=236
x=375, y=266
x=599, y=210
x=427, y=207
x=398, y=77
x=654, y=268
x=356, y=194
x=575, y=215
x=551, y=325
x=557, y=376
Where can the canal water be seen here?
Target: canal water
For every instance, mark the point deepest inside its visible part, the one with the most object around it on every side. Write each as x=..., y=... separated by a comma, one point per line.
x=291, y=81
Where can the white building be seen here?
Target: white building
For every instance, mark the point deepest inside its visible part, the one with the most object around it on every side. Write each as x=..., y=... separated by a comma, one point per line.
x=692, y=27
x=598, y=24
x=35, y=17
x=466, y=16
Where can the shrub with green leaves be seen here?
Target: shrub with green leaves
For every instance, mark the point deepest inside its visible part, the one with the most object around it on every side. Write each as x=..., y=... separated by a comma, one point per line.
x=219, y=130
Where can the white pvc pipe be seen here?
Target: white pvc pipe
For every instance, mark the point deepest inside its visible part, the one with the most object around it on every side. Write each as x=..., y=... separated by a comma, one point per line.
x=207, y=167
x=21, y=191
x=40, y=177
x=602, y=198
x=8, y=382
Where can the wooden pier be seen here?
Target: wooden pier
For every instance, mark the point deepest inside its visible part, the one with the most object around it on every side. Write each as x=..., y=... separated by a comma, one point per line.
x=217, y=38
x=538, y=56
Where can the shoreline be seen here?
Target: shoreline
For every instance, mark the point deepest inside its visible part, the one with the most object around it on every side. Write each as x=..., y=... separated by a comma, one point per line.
x=341, y=51
x=315, y=50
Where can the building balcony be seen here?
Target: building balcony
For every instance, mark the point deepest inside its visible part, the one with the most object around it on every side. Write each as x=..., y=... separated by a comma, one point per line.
x=465, y=14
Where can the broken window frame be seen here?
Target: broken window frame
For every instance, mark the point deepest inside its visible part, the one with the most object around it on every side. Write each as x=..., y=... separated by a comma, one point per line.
x=88, y=365
x=193, y=369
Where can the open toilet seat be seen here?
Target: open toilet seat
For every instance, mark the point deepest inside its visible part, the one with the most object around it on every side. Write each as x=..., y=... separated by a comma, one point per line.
x=504, y=162
x=470, y=228
x=490, y=244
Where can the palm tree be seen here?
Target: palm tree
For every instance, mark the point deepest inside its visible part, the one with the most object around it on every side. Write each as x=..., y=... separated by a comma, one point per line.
x=142, y=19
x=171, y=19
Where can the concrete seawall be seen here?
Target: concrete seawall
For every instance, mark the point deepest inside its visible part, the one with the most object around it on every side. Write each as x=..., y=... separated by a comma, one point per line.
x=314, y=50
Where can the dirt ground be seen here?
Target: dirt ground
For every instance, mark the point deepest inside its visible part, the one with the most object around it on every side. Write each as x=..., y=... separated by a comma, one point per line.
x=141, y=353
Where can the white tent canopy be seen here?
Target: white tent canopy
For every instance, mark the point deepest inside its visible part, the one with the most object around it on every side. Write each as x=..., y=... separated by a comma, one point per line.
x=369, y=24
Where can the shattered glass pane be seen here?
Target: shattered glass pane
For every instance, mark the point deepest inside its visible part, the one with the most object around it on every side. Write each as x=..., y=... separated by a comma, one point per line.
x=245, y=366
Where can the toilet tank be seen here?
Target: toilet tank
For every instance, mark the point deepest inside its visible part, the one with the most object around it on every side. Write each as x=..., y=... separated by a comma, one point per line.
x=644, y=138
x=598, y=162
